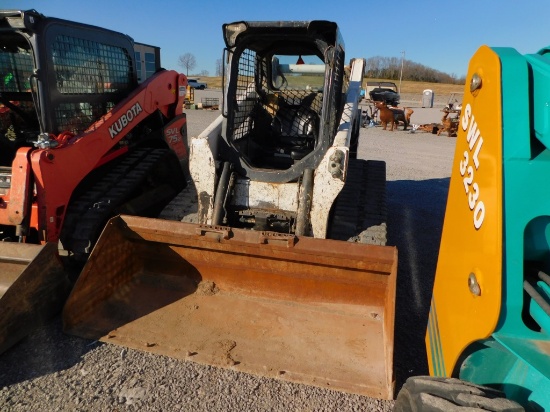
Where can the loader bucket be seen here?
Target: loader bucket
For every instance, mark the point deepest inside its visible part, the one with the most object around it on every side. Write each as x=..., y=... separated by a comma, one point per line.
x=314, y=311
x=33, y=288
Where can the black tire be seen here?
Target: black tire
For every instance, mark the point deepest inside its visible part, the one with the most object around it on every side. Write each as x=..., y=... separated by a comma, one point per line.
x=431, y=394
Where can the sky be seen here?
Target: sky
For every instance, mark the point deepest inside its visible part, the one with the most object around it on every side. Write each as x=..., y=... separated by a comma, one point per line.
x=439, y=34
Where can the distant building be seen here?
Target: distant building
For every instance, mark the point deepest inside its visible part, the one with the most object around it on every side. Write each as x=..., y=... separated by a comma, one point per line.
x=147, y=60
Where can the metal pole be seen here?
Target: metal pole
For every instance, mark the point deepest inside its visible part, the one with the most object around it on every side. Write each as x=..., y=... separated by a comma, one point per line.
x=401, y=74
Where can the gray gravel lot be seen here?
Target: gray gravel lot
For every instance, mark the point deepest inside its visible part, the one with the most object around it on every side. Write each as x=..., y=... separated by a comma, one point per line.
x=50, y=371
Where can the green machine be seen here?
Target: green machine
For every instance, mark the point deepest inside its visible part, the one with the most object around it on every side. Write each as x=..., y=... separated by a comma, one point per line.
x=488, y=334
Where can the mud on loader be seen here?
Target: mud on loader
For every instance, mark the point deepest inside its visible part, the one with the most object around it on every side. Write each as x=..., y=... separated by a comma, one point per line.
x=80, y=141
x=265, y=281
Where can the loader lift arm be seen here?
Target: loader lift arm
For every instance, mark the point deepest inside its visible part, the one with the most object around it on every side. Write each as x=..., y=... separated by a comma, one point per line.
x=164, y=92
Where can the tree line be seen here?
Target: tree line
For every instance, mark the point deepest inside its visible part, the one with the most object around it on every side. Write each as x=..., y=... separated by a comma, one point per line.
x=379, y=67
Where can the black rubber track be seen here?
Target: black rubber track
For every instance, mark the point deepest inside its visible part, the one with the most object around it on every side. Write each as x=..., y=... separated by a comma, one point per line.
x=359, y=213
x=88, y=213
x=431, y=394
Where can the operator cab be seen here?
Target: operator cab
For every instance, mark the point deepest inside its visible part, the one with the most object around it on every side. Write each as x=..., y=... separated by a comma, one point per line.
x=286, y=114
x=279, y=83
x=57, y=77
x=18, y=117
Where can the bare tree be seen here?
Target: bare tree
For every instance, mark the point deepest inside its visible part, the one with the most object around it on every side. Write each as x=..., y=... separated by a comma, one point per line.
x=188, y=62
x=204, y=73
x=219, y=67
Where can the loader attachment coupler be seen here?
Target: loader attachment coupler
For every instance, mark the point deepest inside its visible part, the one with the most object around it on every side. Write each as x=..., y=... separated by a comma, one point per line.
x=314, y=311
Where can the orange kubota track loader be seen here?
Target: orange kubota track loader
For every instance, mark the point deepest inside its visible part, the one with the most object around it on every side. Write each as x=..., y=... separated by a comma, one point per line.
x=266, y=281
x=80, y=141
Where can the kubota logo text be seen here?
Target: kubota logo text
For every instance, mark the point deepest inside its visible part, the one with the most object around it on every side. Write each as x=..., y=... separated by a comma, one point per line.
x=124, y=120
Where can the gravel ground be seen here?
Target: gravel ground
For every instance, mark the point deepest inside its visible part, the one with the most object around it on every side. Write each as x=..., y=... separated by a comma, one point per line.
x=50, y=371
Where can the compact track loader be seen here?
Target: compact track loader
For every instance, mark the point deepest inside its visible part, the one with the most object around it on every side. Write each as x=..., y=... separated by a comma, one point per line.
x=286, y=274
x=80, y=141
x=489, y=322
